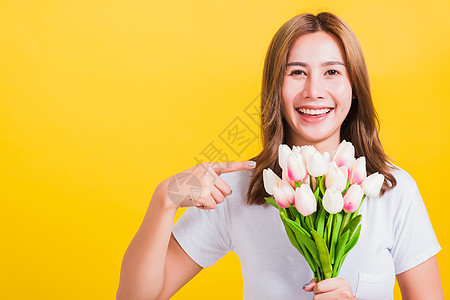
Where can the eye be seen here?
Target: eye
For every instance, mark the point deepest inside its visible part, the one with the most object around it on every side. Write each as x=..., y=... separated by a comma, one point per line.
x=297, y=72
x=332, y=72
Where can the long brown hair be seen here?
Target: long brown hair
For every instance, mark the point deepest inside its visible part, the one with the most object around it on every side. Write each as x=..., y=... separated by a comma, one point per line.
x=361, y=125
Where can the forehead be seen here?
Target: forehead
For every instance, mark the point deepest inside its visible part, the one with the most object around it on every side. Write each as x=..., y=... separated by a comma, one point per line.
x=318, y=46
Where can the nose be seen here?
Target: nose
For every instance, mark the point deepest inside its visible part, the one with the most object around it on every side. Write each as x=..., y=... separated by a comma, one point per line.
x=314, y=87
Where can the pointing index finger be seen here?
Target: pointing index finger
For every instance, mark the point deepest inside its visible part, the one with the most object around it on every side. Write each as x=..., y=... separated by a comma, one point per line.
x=232, y=166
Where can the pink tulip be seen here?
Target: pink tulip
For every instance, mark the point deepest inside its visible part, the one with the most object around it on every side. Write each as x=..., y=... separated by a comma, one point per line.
x=270, y=179
x=336, y=177
x=352, y=198
x=285, y=177
x=283, y=153
x=333, y=202
x=372, y=184
x=358, y=172
x=296, y=167
x=305, y=202
x=316, y=165
x=284, y=194
x=345, y=155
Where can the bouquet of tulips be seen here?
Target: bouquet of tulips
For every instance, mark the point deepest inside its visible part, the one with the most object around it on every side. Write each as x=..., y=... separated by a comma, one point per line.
x=318, y=198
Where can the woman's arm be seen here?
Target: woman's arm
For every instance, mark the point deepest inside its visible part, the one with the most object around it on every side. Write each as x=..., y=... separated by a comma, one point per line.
x=421, y=282
x=153, y=255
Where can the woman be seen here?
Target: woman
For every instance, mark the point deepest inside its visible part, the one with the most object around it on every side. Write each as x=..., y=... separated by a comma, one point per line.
x=315, y=91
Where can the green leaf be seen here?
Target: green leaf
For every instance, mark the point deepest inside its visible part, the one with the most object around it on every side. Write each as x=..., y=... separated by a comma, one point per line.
x=291, y=237
x=322, y=186
x=328, y=230
x=305, y=224
x=320, y=221
x=352, y=224
x=308, y=257
x=340, y=247
x=337, y=266
x=324, y=255
x=336, y=226
x=353, y=240
x=313, y=217
x=294, y=211
x=296, y=185
x=272, y=202
x=316, y=192
x=305, y=238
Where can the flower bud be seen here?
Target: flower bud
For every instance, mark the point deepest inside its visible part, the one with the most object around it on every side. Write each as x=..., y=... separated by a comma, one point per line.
x=285, y=177
x=336, y=177
x=270, y=179
x=283, y=153
x=332, y=201
x=305, y=202
x=283, y=194
x=316, y=165
x=326, y=157
x=372, y=184
x=352, y=198
x=307, y=151
x=345, y=155
x=358, y=172
x=296, y=167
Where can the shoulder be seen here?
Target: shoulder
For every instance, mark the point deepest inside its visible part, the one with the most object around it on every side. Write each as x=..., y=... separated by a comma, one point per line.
x=404, y=180
x=405, y=190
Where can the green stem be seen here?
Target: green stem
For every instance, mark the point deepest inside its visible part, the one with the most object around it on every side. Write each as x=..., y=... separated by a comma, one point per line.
x=311, y=223
x=344, y=222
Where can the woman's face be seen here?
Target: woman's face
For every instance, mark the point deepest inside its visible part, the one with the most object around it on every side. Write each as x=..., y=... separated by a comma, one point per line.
x=317, y=92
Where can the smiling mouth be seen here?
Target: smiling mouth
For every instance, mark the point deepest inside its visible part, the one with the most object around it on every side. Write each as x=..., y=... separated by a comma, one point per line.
x=314, y=113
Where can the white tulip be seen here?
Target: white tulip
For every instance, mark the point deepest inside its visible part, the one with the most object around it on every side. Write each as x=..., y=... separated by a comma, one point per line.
x=345, y=155
x=305, y=202
x=372, y=184
x=336, y=177
x=358, y=172
x=316, y=165
x=332, y=201
x=307, y=151
x=270, y=179
x=283, y=153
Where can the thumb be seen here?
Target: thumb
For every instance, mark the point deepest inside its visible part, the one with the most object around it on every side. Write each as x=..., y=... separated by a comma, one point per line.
x=233, y=166
x=309, y=286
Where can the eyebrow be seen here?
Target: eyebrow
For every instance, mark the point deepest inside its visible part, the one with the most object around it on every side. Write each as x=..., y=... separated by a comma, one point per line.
x=327, y=63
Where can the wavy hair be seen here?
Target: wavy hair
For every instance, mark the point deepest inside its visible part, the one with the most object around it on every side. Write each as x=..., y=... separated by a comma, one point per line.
x=361, y=125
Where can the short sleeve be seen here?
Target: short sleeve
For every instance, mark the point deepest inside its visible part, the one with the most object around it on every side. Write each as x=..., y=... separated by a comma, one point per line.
x=414, y=238
x=204, y=234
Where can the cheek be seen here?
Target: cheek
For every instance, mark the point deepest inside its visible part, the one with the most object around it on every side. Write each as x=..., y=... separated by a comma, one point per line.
x=289, y=90
x=342, y=92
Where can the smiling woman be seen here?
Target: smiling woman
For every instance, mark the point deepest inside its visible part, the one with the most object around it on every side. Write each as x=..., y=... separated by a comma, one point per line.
x=316, y=92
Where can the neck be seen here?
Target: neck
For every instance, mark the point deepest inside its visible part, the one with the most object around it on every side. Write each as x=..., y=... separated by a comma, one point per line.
x=328, y=145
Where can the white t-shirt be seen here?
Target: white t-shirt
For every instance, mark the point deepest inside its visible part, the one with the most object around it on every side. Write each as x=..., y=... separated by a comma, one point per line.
x=396, y=235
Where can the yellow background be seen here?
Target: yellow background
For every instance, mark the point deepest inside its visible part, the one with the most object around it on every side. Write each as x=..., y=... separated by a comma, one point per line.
x=102, y=100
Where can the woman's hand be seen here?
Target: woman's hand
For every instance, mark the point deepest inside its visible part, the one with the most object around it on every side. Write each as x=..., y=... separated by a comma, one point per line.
x=333, y=288
x=200, y=185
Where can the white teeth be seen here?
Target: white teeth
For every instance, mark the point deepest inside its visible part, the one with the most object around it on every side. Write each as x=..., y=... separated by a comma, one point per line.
x=314, y=112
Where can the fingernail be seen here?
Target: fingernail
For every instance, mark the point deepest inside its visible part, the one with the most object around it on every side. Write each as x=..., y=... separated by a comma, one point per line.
x=305, y=285
x=252, y=163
